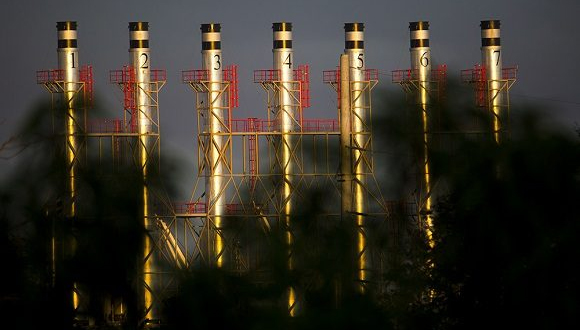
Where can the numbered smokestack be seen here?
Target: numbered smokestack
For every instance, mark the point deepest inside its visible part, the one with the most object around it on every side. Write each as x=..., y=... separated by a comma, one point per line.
x=215, y=124
x=354, y=48
x=420, y=51
x=141, y=63
x=421, y=71
x=68, y=55
x=284, y=63
x=68, y=64
x=492, y=62
x=143, y=118
x=287, y=121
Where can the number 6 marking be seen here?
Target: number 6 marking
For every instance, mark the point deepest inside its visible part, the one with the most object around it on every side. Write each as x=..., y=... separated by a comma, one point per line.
x=424, y=60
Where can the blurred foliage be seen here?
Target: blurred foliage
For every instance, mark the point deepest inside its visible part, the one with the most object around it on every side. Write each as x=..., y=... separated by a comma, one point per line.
x=505, y=231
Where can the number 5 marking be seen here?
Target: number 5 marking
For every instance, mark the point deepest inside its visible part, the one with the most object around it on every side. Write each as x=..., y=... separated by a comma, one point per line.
x=360, y=58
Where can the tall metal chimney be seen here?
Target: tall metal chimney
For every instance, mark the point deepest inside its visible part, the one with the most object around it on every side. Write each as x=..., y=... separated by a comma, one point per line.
x=285, y=117
x=421, y=71
x=148, y=134
x=214, y=125
x=354, y=48
x=492, y=62
x=68, y=64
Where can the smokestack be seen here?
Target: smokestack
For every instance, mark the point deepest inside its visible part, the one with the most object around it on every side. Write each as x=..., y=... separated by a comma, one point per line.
x=421, y=71
x=140, y=61
x=216, y=181
x=285, y=116
x=68, y=64
x=354, y=48
x=491, y=58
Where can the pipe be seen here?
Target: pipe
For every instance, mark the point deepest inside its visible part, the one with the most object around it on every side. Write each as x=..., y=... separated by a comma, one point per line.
x=68, y=63
x=492, y=62
x=147, y=137
x=354, y=48
x=285, y=118
x=345, y=134
x=215, y=125
x=421, y=69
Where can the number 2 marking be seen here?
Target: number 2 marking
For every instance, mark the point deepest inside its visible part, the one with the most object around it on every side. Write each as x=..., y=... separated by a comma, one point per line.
x=145, y=64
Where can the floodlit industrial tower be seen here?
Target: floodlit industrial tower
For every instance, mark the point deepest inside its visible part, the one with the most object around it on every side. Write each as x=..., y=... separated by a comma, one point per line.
x=73, y=84
x=216, y=145
x=361, y=200
x=360, y=143
x=424, y=87
x=491, y=81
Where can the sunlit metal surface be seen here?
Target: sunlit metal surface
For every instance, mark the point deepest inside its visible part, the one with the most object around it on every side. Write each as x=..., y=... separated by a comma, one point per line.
x=354, y=48
x=214, y=127
x=491, y=58
x=140, y=60
x=285, y=116
x=421, y=68
x=68, y=62
x=345, y=133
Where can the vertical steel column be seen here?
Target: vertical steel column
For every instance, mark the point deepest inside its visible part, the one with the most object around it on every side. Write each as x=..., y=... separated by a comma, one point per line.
x=345, y=133
x=285, y=118
x=421, y=69
x=68, y=64
x=492, y=62
x=146, y=145
x=354, y=48
x=214, y=126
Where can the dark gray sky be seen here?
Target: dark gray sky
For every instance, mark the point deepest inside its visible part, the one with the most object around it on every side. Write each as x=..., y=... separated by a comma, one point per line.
x=538, y=35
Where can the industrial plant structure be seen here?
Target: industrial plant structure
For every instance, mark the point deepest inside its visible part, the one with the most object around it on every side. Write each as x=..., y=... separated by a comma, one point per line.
x=254, y=170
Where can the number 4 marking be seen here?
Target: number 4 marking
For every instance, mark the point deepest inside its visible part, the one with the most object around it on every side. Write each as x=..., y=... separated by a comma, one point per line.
x=288, y=61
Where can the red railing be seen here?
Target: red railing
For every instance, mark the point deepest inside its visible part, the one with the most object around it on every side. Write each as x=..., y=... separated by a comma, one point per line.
x=478, y=77
x=438, y=74
x=269, y=75
x=237, y=208
x=190, y=207
x=398, y=76
x=128, y=75
x=509, y=73
x=477, y=74
x=302, y=74
x=264, y=125
x=230, y=74
x=157, y=75
x=86, y=76
x=105, y=125
x=196, y=75
x=331, y=76
x=252, y=152
x=320, y=125
x=201, y=208
x=47, y=76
